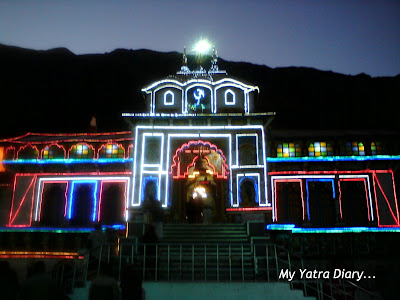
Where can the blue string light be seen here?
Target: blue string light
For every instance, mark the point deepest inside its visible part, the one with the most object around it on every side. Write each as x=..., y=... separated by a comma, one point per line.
x=319, y=180
x=332, y=158
x=71, y=197
x=294, y=229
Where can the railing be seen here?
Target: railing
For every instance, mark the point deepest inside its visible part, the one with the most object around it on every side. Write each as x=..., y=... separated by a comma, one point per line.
x=67, y=273
x=255, y=262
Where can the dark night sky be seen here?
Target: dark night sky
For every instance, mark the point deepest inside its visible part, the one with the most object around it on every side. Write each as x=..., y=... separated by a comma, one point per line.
x=345, y=36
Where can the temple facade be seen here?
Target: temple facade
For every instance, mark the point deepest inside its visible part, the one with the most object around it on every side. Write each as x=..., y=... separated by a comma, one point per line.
x=207, y=156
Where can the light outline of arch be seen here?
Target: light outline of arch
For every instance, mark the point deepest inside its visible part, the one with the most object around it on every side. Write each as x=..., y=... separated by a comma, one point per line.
x=50, y=145
x=120, y=146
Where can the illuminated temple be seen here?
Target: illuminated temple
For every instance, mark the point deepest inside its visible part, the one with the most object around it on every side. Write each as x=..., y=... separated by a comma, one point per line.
x=208, y=157
x=200, y=143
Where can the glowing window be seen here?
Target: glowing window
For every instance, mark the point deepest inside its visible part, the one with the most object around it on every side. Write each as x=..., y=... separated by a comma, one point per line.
x=169, y=98
x=53, y=151
x=111, y=151
x=355, y=148
x=230, y=98
x=320, y=149
x=288, y=150
x=376, y=148
x=130, y=151
x=82, y=151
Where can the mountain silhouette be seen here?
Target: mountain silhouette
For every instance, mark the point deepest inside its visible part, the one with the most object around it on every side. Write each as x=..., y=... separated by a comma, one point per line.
x=58, y=91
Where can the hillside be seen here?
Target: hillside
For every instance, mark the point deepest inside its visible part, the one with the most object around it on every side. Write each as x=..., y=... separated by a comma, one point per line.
x=58, y=91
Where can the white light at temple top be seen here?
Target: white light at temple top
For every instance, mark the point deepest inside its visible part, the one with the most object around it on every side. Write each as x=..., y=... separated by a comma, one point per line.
x=199, y=191
x=202, y=46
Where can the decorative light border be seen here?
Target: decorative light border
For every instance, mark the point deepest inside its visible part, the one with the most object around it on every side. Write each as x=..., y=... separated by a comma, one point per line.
x=256, y=182
x=146, y=180
x=376, y=180
x=157, y=166
x=180, y=115
x=71, y=197
x=126, y=191
x=296, y=178
x=212, y=85
x=10, y=148
x=274, y=195
x=367, y=185
x=331, y=158
x=294, y=229
x=68, y=161
x=247, y=209
x=233, y=101
x=74, y=177
x=176, y=162
x=185, y=108
x=31, y=185
x=65, y=195
x=120, y=146
x=83, y=144
x=362, y=173
x=40, y=254
x=17, y=139
x=51, y=145
x=26, y=146
x=166, y=102
x=60, y=230
x=238, y=136
x=185, y=133
x=332, y=180
x=245, y=94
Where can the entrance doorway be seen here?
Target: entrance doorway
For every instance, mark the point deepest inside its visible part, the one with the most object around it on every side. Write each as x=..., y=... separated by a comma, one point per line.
x=53, y=204
x=199, y=183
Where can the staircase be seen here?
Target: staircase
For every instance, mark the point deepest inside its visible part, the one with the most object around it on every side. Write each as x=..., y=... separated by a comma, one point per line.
x=198, y=252
x=205, y=234
x=222, y=255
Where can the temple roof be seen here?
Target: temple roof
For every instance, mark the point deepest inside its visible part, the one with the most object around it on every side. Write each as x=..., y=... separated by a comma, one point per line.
x=41, y=138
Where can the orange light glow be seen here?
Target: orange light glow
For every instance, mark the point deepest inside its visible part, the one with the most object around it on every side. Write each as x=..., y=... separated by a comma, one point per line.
x=2, y=169
x=40, y=254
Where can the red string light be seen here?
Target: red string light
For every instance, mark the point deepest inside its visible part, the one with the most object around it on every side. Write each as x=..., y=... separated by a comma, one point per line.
x=249, y=209
x=33, y=181
x=128, y=150
x=12, y=216
x=41, y=197
x=386, y=199
x=8, y=149
x=54, y=144
x=375, y=181
x=301, y=192
x=40, y=254
x=66, y=139
x=28, y=145
x=101, y=194
x=364, y=180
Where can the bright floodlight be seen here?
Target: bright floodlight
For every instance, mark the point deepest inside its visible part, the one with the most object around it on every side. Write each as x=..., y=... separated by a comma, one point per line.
x=202, y=46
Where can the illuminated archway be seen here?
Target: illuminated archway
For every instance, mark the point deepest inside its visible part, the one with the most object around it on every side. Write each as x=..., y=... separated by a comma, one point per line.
x=185, y=156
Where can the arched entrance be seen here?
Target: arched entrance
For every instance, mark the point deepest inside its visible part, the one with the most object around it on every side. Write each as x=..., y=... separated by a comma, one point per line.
x=248, y=192
x=200, y=174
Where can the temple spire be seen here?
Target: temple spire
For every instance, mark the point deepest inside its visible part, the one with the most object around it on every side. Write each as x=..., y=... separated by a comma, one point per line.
x=184, y=58
x=214, y=60
x=184, y=68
